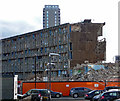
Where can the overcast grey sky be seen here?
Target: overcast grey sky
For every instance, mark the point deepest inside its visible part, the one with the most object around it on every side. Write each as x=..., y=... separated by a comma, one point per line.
x=22, y=16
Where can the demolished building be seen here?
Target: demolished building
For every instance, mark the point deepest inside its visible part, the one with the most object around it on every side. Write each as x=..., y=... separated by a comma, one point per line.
x=27, y=54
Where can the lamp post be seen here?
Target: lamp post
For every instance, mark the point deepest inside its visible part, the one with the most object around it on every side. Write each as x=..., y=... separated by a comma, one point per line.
x=35, y=63
x=35, y=71
x=51, y=54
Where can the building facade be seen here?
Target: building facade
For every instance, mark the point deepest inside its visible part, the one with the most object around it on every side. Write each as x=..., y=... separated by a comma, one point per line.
x=75, y=43
x=51, y=16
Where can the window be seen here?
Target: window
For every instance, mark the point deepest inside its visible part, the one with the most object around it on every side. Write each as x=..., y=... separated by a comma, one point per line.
x=105, y=94
x=113, y=94
x=70, y=46
x=70, y=55
x=97, y=92
x=25, y=51
x=18, y=60
x=41, y=34
x=12, y=53
x=34, y=91
x=9, y=60
x=29, y=92
x=25, y=59
x=70, y=29
x=18, y=39
x=41, y=42
x=62, y=46
x=50, y=32
x=45, y=49
x=15, y=47
x=41, y=49
x=33, y=36
x=29, y=51
x=59, y=46
x=26, y=37
x=86, y=89
x=81, y=88
x=15, y=53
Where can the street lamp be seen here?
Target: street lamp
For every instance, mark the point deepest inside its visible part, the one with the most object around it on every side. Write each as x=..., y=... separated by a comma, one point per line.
x=50, y=63
x=54, y=54
x=51, y=54
x=35, y=71
x=35, y=64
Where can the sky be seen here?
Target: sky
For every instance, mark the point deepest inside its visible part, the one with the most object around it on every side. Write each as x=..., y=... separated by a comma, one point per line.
x=22, y=16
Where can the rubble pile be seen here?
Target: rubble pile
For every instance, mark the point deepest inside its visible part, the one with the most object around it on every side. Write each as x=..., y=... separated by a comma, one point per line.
x=97, y=75
x=108, y=73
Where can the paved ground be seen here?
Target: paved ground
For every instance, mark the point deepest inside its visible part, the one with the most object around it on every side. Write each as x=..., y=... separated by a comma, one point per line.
x=62, y=99
x=68, y=98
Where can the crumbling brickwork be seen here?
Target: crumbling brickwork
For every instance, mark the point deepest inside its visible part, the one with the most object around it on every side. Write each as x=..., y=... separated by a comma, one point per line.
x=85, y=44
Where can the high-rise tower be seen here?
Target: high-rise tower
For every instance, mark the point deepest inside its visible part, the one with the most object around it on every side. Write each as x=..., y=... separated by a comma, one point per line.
x=51, y=16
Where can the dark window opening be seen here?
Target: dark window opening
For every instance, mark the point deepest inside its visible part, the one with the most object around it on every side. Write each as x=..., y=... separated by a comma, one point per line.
x=70, y=46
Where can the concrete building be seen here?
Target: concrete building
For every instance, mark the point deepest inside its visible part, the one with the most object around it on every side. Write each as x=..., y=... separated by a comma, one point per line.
x=76, y=43
x=51, y=16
